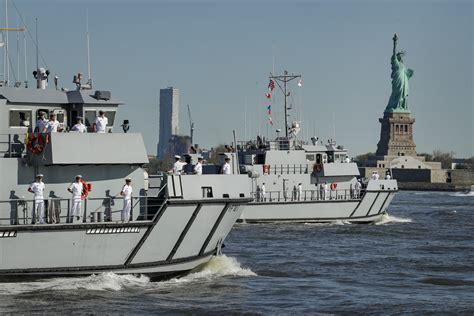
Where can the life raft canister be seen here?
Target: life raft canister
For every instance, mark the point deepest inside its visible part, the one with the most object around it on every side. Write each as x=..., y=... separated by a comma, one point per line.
x=266, y=169
x=86, y=188
x=333, y=186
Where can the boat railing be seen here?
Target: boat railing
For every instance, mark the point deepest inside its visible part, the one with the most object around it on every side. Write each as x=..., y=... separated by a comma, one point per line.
x=278, y=144
x=58, y=210
x=12, y=145
x=308, y=195
x=288, y=169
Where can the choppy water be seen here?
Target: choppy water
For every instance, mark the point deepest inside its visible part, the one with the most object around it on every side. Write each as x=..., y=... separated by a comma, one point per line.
x=420, y=259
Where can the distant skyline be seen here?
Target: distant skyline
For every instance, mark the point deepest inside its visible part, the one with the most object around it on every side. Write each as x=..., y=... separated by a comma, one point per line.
x=219, y=55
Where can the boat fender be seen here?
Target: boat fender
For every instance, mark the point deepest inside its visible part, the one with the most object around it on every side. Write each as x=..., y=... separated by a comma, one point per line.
x=333, y=186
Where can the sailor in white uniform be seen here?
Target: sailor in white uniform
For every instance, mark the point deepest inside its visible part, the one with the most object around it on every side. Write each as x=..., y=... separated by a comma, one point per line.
x=79, y=127
x=41, y=123
x=226, y=166
x=264, y=193
x=177, y=166
x=198, y=167
x=388, y=176
x=37, y=188
x=126, y=192
x=326, y=191
x=100, y=124
x=358, y=187
x=53, y=124
x=76, y=189
x=300, y=191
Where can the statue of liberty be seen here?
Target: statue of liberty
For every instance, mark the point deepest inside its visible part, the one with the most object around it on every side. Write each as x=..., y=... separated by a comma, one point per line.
x=398, y=101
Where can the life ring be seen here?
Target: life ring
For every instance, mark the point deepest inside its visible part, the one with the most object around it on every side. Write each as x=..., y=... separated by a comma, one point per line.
x=36, y=143
x=333, y=186
x=86, y=188
x=317, y=167
x=266, y=169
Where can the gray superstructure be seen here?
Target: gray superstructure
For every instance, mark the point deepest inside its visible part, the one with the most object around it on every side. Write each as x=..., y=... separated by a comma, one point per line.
x=177, y=222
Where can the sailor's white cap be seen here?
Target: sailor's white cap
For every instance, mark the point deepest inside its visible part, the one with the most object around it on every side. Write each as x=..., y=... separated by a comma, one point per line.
x=79, y=176
x=39, y=175
x=177, y=156
x=128, y=179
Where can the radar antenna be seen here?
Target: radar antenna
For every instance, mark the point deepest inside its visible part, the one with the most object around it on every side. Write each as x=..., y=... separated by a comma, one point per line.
x=191, y=125
x=283, y=80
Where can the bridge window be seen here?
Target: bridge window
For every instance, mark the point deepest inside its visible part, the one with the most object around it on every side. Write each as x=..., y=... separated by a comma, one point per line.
x=20, y=118
x=330, y=156
x=89, y=117
x=310, y=157
x=110, y=118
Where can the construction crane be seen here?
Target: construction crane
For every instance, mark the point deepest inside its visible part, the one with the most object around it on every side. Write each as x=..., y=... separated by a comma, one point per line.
x=191, y=125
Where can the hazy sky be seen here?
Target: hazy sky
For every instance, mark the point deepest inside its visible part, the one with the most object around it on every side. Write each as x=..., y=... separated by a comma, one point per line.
x=220, y=53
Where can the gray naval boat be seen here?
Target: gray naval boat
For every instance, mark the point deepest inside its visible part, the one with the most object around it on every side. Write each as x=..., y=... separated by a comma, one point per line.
x=177, y=222
x=294, y=180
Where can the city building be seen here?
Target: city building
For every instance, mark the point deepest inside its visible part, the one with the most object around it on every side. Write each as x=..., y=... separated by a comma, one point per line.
x=169, y=120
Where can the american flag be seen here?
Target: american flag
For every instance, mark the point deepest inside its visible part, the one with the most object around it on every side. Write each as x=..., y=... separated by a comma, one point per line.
x=271, y=85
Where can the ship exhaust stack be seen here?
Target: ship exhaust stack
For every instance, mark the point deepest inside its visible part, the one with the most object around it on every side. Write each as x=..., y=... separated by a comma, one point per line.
x=41, y=75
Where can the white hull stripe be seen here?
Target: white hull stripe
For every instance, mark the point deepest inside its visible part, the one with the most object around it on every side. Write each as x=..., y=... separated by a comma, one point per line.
x=8, y=234
x=117, y=230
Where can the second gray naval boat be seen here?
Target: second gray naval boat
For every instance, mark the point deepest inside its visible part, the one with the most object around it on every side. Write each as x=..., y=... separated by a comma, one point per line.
x=298, y=181
x=177, y=222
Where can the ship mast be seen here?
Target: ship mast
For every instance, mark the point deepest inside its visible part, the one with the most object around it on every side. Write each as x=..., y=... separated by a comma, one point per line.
x=282, y=82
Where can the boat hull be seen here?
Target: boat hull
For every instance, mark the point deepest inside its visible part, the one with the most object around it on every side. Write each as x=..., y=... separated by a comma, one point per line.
x=370, y=208
x=181, y=236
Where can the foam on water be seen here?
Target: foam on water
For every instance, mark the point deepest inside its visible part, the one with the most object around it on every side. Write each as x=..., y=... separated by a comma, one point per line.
x=108, y=281
x=388, y=219
x=332, y=223
x=463, y=194
x=218, y=266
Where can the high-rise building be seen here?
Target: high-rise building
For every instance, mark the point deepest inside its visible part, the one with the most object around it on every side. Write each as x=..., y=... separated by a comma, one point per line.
x=169, y=119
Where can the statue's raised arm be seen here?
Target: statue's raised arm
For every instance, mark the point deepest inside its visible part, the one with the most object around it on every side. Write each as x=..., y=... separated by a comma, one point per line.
x=400, y=76
x=395, y=38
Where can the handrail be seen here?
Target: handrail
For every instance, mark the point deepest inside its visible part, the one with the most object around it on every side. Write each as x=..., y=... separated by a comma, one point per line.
x=308, y=195
x=21, y=211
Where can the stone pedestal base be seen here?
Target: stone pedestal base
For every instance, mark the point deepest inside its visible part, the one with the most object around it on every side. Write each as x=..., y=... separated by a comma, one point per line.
x=396, y=135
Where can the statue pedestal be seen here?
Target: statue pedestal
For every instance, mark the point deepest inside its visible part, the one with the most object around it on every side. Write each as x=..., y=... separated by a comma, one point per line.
x=396, y=135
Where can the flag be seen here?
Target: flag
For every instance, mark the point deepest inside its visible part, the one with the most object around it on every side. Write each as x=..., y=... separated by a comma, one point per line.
x=269, y=108
x=270, y=121
x=27, y=139
x=271, y=85
x=300, y=83
x=269, y=95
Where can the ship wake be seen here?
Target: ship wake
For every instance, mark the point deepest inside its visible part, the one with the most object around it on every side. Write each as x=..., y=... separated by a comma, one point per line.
x=390, y=219
x=217, y=267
